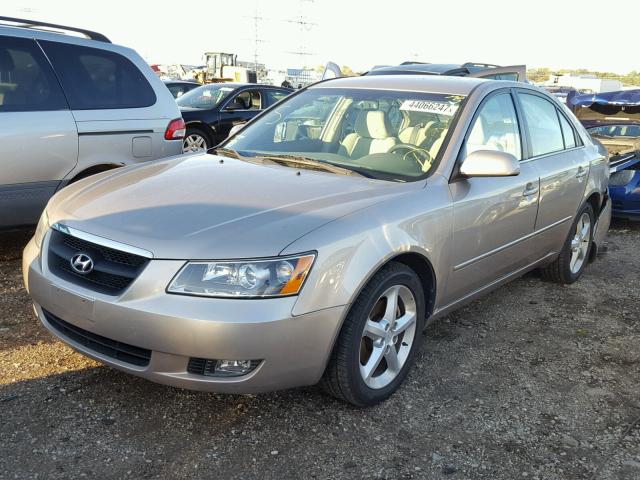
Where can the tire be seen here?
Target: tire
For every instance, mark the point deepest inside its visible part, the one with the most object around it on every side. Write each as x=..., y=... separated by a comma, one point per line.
x=196, y=140
x=345, y=372
x=563, y=270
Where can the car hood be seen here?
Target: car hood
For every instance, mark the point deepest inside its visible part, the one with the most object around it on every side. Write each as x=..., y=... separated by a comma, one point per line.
x=209, y=207
x=611, y=108
x=608, y=108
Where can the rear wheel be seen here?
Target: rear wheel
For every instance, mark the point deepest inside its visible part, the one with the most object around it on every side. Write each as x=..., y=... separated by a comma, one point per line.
x=573, y=258
x=195, y=140
x=379, y=338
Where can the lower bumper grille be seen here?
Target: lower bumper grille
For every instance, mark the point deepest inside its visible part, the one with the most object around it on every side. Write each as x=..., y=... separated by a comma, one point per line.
x=111, y=348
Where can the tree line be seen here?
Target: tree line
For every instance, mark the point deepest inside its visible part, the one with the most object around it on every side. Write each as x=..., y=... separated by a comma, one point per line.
x=541, y=74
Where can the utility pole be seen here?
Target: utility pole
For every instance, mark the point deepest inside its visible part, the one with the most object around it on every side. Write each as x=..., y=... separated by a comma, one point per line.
x=256, y=18
x=305, y=26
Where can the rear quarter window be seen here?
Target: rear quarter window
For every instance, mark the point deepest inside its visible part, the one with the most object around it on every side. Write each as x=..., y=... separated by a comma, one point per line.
x=95, y=79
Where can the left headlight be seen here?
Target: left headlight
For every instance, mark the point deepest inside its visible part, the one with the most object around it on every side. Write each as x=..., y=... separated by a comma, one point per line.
x=41, y=229
x=274, y=277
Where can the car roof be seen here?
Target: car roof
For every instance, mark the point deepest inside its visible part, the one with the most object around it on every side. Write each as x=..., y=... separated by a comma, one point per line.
x=38, y=34
x=190, y=82
x=414, y=83
x=460, y=69
x=240, y=85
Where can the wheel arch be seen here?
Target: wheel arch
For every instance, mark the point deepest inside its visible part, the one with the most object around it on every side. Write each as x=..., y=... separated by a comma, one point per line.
x=92, y=170
x=419, y=263
x=595, y=199
x=199, y=124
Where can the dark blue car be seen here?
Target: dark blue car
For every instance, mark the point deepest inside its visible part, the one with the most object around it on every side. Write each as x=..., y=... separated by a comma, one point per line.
x=613, y=118
x=211, y=111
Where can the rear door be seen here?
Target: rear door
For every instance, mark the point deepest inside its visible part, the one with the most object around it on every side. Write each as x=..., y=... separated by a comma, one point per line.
x=120, y=118
x=494, y=217
x=38, y=137
x=515, y=73
x=556, y=151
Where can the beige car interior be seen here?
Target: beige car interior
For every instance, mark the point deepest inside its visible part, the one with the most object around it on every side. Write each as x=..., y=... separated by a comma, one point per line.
x=501, y=136
x=373, y=134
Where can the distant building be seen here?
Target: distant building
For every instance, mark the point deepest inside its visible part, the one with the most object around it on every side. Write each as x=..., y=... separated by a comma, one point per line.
x=584, y=83
x=302, y=76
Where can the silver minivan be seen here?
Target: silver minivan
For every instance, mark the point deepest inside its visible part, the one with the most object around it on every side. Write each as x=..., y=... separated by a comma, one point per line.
x=70, y=107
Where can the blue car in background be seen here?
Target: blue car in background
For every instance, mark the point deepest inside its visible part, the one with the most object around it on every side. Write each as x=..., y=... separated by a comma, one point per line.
x=613, y=118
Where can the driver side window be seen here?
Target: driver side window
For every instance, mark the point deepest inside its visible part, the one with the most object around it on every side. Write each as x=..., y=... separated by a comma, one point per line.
x=496, y=127
x=248, y=100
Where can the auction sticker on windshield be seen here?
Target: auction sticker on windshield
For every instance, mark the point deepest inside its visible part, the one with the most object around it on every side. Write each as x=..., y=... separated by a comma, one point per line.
x=429, y=106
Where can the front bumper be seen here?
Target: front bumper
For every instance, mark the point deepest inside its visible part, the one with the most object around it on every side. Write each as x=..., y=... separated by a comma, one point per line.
x=294, y=349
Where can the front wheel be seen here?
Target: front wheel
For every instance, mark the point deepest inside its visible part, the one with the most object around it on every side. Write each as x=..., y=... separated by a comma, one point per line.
x=574, y=256
x=379, y=338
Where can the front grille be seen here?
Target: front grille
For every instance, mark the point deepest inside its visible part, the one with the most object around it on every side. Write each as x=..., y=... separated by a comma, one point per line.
x=113, y=270
x=111, y=348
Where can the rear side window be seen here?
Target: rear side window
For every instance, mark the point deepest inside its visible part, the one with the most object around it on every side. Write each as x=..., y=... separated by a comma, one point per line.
x=95, y=79
x=567, y=132
x=543, y=124
x=513, y=77
x=496, y=127
x=274, y=96
x=27, y=82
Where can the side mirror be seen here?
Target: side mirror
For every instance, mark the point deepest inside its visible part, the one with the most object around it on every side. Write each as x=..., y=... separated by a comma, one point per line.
x=490, y=163
x=233, y=106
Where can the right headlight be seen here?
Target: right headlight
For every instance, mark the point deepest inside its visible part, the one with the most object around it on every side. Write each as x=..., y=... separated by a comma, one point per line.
x=259, y=278
x=41, y=229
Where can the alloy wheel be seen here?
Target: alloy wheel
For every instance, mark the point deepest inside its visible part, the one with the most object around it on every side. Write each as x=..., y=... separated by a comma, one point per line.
x=388, y=335
x=194, y=142
x=580, y=243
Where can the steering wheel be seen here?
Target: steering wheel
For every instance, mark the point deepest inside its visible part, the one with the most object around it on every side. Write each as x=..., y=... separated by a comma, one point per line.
x=420, y=155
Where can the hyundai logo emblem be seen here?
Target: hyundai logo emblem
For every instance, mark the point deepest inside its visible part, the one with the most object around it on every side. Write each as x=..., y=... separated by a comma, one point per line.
x=81, y=263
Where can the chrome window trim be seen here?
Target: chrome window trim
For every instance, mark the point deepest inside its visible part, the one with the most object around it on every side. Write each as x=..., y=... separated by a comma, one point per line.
x=551, y=154
x=104, y=242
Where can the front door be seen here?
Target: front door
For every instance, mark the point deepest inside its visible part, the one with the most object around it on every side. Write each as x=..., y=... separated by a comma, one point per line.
x=239, y=109
x=493, y=218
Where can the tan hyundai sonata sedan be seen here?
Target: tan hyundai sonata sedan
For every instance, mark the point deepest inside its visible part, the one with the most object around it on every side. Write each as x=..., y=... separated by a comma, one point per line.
x=316, y=243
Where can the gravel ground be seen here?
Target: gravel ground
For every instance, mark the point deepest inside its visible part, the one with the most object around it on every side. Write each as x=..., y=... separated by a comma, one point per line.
x=534, y=381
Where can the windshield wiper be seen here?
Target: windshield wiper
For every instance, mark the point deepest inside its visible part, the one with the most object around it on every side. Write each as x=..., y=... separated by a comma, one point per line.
x=227, y=152
x=309, y=162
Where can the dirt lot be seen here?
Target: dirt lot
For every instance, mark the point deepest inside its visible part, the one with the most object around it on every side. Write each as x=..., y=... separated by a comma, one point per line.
x=534, y=381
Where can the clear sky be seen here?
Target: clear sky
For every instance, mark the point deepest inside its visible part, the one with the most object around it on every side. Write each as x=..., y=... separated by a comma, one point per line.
x=360, y=33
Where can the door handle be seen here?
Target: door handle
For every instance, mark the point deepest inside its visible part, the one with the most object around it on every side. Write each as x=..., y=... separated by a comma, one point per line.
x=581, y=172
x=530, y=189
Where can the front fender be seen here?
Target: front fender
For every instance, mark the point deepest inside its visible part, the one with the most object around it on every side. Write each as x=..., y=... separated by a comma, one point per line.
x=352, y=248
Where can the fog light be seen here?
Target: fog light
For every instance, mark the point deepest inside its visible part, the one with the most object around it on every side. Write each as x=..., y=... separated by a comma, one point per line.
x=221, y=368
x=233, y=368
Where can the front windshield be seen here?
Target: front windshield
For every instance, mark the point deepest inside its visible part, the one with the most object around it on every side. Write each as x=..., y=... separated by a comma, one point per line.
x=383, y=134
x=616, y=130
x=205, y=97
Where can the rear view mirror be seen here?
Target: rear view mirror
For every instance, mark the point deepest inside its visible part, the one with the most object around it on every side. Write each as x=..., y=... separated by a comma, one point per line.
x=490, y=163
